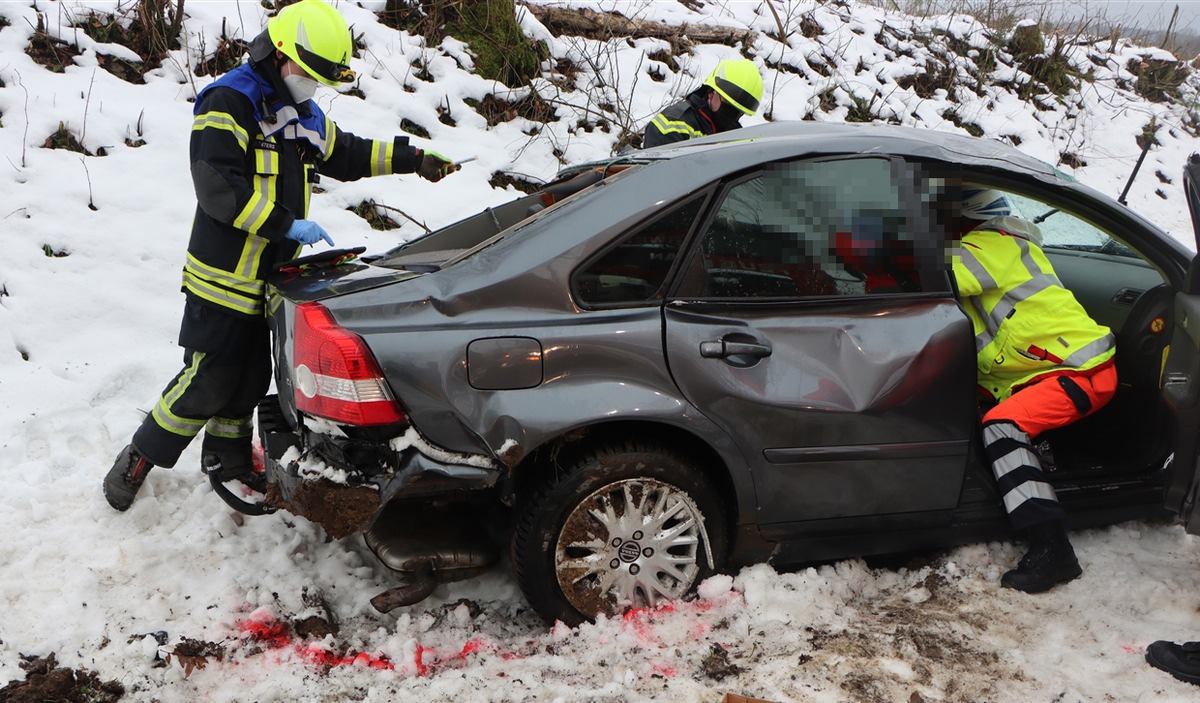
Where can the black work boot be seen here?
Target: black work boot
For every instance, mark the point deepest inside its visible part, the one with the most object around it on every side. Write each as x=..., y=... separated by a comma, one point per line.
x=1049, y=561
x=125, y=478
x=228, y=466
x=1179, y=660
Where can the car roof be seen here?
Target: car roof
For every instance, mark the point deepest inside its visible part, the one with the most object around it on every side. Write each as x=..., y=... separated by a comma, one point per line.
x=748, y=146
x=682, y=168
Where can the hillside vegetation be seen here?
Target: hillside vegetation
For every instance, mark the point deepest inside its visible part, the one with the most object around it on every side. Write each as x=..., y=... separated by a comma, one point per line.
x=604, y=73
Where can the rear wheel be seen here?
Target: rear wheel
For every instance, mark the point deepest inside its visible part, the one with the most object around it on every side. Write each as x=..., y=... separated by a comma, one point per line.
x=623, y=525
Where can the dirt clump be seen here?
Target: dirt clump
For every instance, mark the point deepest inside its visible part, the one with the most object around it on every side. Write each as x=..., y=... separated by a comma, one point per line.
x=341, y=510
x=195, y=654
x=716, y=664
x=46, y=681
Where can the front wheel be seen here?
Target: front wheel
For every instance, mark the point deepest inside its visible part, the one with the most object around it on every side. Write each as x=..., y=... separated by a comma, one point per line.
x=624, y=525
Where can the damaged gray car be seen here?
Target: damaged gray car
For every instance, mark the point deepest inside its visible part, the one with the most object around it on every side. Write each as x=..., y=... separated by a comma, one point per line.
x=738, y=349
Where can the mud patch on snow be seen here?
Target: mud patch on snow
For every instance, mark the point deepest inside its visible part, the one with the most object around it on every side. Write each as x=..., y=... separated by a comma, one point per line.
x=195, y=654
x=340, y=510
x=717, y=666
x=46, y=681
x=920, y=639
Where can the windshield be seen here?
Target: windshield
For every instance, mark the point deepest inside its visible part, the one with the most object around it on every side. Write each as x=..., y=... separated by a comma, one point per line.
x=1062, y=230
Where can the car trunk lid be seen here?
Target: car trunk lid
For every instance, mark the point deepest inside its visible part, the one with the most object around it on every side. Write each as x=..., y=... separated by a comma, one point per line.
x=331, y=273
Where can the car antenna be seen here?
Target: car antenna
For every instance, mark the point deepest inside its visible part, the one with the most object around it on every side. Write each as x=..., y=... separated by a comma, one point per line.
x=1146, y=142
x=1128, y=184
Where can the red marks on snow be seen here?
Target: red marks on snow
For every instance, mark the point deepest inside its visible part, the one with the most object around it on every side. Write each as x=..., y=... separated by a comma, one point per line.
x=318, y=655
x=662, y=669
x=428, y=661
x=657, y=632
x=472, y=646
x=265, y=630
x=419, y=659
x=640, y=621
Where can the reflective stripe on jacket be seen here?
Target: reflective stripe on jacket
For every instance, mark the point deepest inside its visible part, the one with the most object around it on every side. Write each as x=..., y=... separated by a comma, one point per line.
x=679, y=122
x=253, y=178
x=1026, y=323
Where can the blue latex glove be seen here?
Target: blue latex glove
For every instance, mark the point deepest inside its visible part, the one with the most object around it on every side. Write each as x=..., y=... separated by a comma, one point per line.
x=307, y=232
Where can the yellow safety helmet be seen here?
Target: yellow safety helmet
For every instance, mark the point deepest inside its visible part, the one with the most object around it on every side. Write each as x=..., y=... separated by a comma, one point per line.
x=739, y=83
x=314, y=35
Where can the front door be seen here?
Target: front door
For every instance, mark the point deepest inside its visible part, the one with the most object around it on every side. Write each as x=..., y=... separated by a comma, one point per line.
x=815, y=323
x=1181, y=375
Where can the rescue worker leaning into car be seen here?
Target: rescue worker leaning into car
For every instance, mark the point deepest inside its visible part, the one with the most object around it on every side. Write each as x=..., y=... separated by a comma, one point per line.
x=1042, y=361
x=258, y=143
x=733, y=89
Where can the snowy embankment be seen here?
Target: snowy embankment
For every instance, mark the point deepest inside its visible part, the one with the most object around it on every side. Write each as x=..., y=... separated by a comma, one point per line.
x=89, y=308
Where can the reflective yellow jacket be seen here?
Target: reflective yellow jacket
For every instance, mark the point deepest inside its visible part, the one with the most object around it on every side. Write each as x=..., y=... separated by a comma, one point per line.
x=1026, y=323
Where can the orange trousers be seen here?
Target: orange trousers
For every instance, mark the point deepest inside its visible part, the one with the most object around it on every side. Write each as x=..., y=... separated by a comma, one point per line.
x=1057, y=401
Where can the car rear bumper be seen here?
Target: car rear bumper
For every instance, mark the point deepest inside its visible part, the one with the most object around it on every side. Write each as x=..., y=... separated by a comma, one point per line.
x=342, y=483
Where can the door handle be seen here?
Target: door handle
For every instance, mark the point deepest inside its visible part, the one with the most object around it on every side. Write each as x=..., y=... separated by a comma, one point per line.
x=736, y=353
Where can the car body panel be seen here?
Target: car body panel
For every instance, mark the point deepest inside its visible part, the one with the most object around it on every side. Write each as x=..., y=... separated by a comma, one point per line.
x=863, y=409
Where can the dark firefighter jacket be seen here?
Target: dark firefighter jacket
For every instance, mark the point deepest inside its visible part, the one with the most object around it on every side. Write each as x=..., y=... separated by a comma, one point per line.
x=686, y=119
x=253, y=166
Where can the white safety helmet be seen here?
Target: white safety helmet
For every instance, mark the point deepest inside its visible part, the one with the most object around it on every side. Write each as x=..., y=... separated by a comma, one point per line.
x=984, y=203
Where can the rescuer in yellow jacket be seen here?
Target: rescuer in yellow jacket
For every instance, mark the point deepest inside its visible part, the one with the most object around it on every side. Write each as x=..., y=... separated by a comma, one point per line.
x=258, y=144
x=1042, y=361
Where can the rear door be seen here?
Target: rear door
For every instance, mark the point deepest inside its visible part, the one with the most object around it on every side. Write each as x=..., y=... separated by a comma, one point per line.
x=1181, y=377
x=815, y=323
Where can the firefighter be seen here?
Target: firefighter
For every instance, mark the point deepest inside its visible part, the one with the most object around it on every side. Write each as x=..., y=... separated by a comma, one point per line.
x=733, y=89
x=1042, y=361
x=258, y=143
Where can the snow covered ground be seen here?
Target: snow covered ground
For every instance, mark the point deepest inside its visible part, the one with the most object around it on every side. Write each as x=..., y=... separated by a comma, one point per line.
x=89, y=305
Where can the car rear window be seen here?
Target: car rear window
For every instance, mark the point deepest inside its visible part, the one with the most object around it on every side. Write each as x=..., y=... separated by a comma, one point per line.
x=635, y=269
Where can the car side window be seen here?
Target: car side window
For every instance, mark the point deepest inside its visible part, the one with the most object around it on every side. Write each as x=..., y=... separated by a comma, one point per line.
x=809, y=229
x=635, y=269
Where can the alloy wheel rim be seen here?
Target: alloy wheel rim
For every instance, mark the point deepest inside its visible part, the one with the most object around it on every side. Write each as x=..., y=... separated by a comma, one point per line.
x=632, y=543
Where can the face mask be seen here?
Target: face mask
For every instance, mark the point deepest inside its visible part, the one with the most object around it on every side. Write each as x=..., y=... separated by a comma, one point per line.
x=302, y=88
x=728, y=117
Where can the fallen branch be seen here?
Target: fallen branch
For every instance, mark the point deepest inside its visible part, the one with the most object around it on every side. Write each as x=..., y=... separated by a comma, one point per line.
x=405, y=214
x=606, y=25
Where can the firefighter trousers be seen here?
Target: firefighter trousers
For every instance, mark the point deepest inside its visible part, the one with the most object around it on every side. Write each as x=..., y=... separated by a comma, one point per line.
x=227, y=370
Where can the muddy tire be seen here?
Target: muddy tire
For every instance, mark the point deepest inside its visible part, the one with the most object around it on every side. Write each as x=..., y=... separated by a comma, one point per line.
x=623, y=525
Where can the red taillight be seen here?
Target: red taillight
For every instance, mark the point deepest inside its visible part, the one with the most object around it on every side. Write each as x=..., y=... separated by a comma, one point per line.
x=336, y=376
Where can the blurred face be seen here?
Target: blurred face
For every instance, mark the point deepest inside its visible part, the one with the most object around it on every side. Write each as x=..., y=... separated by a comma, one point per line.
x=948, y=210
x=947, y=207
